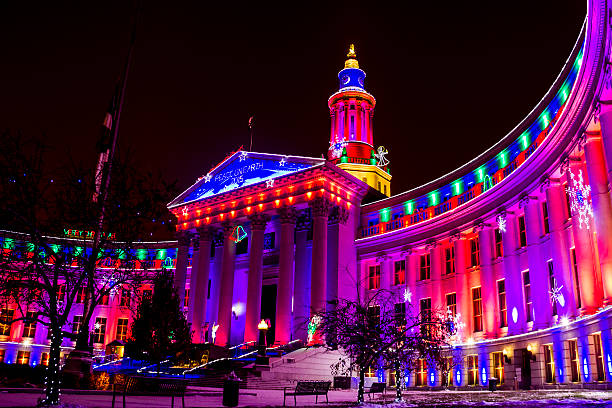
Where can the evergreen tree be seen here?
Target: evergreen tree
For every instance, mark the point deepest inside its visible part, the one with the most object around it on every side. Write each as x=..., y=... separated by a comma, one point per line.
x=160, y=330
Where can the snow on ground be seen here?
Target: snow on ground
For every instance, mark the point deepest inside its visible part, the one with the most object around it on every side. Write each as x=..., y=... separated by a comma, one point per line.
x=208, y=397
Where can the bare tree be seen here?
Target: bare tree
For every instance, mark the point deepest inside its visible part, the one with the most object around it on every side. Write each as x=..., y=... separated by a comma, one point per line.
x=42, y=276
x=379, y=331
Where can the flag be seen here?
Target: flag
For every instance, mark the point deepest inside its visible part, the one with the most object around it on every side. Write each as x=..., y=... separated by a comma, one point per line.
x=104, y=145
x=251, y=120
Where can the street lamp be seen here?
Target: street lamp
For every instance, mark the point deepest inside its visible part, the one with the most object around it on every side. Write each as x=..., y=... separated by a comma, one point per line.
x=263, y=327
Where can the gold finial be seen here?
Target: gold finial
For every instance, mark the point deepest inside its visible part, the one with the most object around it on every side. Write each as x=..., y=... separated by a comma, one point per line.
x=351, y=62
x=351, y=53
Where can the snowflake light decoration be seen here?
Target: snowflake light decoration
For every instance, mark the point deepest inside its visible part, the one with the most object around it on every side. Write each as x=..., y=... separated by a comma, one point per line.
x=243, y=156
x=185, y=212
x=380, y=154
x=501, y=223
x=556, y=296
x=407, y=295
x=207, y=178
x=269, y=183
x=337, y=146
x=580, y=199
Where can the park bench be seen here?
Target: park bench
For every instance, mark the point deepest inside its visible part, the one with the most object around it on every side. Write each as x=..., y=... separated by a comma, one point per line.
x=377, y=387
x=136, y=385
x=315, y=388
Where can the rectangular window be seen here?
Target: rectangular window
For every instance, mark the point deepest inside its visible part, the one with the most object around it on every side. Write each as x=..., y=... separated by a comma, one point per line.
x=501, y=298
x=447, y=374
x=208, y=293
x=76, y=324
x=29, y=325
x=527, y=292
x=122, y=329
x=23, y=357
x=126, y=296
x=374, y=277
x=498, y=366
x=374, y=315
x=472, y=370
x=477, y=309
x=499, y=246
x=474, y=252
x=549, y=364
x=574, y=363
x=370, y=372
x=99, y=330
x=425, y=309
x=44, y=359
x=2, y=354
x=449, y=259
x=425, y=270
x=451, y=303
x=104, y=299
x=269, y=241
x=545, y=217
x=6, y=320
x=147, y=293
x=568, y=202
x=522, y=232
x=420, y=379
x=400, y=315
x=553, y=284
x=599, y=360
x=61, y=293
x=399, y=277
x=576, y=278
x=80, y=298
x=186, y=300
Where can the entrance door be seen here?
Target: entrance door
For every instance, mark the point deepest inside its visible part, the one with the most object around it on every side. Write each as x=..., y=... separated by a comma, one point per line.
x=268, y=309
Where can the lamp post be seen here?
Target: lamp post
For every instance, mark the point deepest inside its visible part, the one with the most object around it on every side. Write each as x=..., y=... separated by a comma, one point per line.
x=263, y=327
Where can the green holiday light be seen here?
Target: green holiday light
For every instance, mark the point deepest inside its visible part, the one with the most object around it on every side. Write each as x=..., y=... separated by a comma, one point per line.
x=545, y=120
x=458, y=187
x=503, y=159
x=524, y=139
x=385, y=214
x=433, y=199
x=141, y=254
x=480, y=173
x=161, y=254
x=409, y=207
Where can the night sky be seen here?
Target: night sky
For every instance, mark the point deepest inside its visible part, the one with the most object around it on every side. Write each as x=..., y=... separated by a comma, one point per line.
x=449, y=79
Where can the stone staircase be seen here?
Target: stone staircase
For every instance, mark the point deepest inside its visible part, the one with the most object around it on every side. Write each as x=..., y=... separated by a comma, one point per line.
x=302, y=364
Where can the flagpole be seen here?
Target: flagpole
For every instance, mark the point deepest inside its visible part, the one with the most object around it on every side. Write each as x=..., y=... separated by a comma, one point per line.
x=82, y=341
x=251, y=123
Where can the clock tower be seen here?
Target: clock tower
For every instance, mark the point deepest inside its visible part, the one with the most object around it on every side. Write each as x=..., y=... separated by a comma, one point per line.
x=351, y=144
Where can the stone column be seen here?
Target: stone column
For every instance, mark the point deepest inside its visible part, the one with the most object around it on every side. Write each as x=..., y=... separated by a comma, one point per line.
x=490, y=313
x=538, y=271
x=559, y=245
x=337, y=217
x=318, y=275
x=253, y=304
x=590, y=283
x=435, y=257
x=284, y=297
x=199, y=284
x=602, y=207
x=193, y=278
x=180, y=273
x=464, y=297
x=301, y=293
x=215, y=287
x=515, y=296
x=227, y=286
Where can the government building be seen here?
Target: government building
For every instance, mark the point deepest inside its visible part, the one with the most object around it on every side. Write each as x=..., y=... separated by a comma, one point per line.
x=516, y=244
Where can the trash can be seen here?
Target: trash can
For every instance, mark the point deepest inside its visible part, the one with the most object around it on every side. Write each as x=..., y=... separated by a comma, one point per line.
x=231, y=390
x=493, y=383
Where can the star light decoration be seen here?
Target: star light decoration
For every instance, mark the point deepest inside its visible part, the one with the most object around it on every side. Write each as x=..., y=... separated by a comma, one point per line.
x=580, y=196
x=269, y=183
x=282, y=162
x=243, y=156
x=501, y=223
x=407, y=295
x=556, y=296
x=337, y=146
x=207, y=178
x=380, y=155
